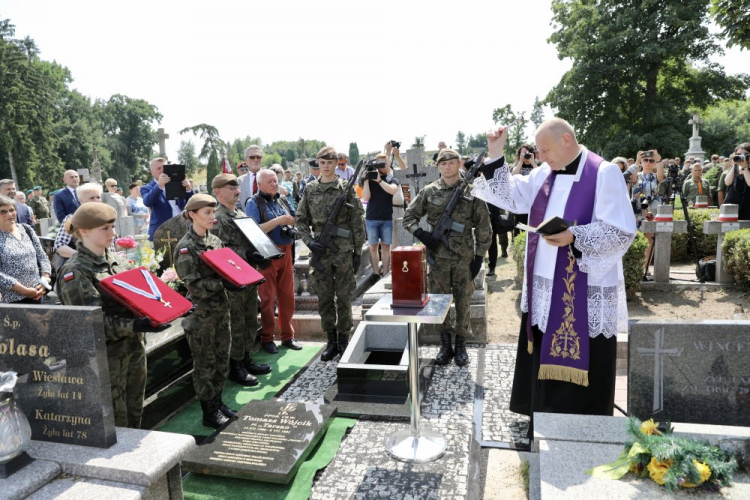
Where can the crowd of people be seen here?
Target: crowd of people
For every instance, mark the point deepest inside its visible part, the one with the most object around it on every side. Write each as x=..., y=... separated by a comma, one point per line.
x=221, y=327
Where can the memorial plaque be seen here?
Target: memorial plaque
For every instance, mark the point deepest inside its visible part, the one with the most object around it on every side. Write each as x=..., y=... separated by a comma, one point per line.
x=696, y=372
x=268, y=442
x=60, y=355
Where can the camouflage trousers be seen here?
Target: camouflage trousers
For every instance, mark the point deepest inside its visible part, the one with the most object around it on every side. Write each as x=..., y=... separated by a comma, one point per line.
x=127, y=377
x=244, y=319
x=334, y=286
x=453, y=276
x=210, y=338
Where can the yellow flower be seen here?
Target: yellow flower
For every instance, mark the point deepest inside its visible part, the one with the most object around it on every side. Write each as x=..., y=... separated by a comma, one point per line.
x=650, y=427
x=703, y=470
x=657, y=470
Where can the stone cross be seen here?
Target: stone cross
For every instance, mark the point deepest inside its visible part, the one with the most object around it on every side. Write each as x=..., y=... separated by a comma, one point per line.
x=169, y=240
x=96, y=170
x=696, y=122
x=663, y=230
x=415, y=176
x=657, y=352
x=162, y=138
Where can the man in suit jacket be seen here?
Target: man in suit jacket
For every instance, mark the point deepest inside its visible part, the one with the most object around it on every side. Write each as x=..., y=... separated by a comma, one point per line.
x=66, y=201
x=248, y=181
x=23, y=214
x=155, y=198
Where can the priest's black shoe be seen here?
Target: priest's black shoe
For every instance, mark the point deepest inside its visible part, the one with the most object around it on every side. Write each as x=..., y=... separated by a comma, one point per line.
x=343, y=342
x=224, y=409
x=446, y=351
x=212, y=415
x=505, y=253
x=254, y=368
x=270, y=347
x=292, y=344
x=461, y=356
x=237, y=373
x=490, y=272
x=332, y=347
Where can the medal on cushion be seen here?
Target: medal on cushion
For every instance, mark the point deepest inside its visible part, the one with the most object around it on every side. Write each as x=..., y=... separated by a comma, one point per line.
x=155, y=293
x=232, y=263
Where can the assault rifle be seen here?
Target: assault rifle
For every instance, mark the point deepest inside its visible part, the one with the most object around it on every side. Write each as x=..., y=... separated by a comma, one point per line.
x=330, y=229
x=446, y=225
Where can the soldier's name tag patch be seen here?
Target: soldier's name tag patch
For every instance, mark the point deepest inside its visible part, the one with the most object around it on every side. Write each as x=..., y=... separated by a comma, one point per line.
x=68, y=276
x=183, y=251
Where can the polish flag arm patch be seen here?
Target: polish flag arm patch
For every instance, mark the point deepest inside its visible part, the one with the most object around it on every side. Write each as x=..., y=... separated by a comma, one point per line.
x=68, y=276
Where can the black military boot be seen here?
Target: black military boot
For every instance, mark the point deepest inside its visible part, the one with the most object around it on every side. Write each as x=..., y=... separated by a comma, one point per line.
x=254, y=368
x=237, y=373
x=212, y=415
x=343, y=342
x=462, y=357
x=224, y=409
x=332, y=347
x=446, y=351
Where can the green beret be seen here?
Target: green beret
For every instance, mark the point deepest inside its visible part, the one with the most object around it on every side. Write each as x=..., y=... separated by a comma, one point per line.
x=198, y=201
x=92, y=215
x=448, y=154
x=29, y=191
x=327, y=153
x=37, y=188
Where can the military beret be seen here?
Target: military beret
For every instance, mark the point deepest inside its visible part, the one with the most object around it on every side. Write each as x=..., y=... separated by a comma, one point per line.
x=37, y=188
x=327, y=153
x=29, y=191
x=198, y=201
x=222, y=180
x=91, y=215
x=448, y=154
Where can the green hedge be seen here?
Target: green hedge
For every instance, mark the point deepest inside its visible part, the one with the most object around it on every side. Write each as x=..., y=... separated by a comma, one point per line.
x=736, y=252
x=681, y=248
x=632, y=261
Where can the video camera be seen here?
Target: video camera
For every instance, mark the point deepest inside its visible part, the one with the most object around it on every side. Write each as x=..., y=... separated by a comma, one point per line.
x=371, y=168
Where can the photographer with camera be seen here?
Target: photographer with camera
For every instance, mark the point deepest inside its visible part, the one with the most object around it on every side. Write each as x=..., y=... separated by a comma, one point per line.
x=525, y=163
x=737, y=180
x=276, y=218
x=649, y=194
x=378, y=187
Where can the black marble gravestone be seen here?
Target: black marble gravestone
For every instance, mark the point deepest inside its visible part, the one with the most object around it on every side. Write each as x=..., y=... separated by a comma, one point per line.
x=268, y=442
x=167, y=236
x=63, y=386
x=697, y=372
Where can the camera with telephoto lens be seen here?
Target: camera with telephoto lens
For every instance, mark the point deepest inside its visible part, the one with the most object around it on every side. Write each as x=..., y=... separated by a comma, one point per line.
x=372, y=167
x=645, y=202
x=674, y=171
x=740, y=158
x=395, y=144
x=290, y=232
x=527, y=156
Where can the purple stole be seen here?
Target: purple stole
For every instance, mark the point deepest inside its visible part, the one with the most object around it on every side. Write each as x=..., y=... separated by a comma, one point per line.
x=565, y=343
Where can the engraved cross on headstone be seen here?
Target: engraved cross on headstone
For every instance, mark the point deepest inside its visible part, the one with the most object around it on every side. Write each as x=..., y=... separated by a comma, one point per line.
x=416, y=175
x=169, y=240
x=657, y=352
x=162, y=138
x=696, y=122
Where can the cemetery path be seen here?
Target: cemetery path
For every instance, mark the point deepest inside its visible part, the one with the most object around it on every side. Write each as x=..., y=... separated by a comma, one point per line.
x=503, y=304
x=688, y=304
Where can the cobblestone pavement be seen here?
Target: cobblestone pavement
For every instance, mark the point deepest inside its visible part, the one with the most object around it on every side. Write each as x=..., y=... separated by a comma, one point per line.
x=313, y=383
x=498, y=422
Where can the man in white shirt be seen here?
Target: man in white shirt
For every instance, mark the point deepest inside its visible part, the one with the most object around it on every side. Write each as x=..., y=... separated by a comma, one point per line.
x=249, y=182
x=343, y=169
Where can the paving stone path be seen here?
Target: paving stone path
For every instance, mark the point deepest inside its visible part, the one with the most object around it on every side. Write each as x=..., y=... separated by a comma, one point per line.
x=499, y=424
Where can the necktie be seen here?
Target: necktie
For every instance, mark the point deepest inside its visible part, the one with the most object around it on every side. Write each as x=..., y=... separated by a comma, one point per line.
x=75, y=198
x=255, y=184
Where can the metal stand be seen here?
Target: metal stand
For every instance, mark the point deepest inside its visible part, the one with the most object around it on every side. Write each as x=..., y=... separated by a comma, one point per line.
x=414, y=444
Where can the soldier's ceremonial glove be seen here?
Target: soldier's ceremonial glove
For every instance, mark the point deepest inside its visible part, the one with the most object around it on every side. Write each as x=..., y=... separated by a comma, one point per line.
x=476, y=265
x=427, y=239
x=231, y=287
x=144, y=325
x=316, y=247
x=191, y=311
x=256, y=259
x=356, y=261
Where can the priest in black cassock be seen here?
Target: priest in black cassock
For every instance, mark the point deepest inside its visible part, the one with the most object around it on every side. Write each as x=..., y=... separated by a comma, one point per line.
x=573, y=299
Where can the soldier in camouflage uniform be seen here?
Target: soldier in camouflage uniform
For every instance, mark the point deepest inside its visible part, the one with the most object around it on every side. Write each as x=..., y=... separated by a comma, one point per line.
x=455, y=269
x=79, y=286
x=335, y=284
x=39, y=204
x=207, y=329
x=244, y=304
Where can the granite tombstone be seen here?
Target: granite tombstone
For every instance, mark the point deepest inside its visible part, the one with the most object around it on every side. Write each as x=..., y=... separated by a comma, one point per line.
x=167, y=236
x=268, y=442
x=63, y=387
x=695, y=372
x=413, y=179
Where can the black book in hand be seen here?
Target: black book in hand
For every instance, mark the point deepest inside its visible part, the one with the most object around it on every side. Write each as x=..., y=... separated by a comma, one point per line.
x=551, y=226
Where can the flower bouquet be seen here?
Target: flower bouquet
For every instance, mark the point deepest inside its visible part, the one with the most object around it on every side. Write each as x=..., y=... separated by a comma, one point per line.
x=144, y=255
x=170, y=277
x=672, y=461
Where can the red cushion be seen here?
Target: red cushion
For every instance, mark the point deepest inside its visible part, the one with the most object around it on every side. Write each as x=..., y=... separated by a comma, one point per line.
x=144, y=307
x=231, y=267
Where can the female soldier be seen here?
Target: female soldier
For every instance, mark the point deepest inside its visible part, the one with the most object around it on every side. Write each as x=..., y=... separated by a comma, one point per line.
x=93, y=224
x=207, y=330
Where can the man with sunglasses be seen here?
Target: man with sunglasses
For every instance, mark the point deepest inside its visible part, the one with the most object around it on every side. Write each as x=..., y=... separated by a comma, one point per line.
x=343, y=170
x=248, y=180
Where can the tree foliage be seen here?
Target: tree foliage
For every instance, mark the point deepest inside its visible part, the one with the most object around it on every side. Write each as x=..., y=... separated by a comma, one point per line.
x=725, y=126
x=537, y=113
x=516, y=133
x=733, y=16
x=186, y=156
x=461, y=142
x=632, y=85
x=353, y=153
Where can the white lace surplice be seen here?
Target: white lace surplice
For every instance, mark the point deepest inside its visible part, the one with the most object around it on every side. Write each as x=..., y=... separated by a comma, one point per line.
x=602, y=243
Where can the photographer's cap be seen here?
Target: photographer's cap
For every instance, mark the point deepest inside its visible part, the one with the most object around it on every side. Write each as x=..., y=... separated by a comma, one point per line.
x=198, y=201
x=448, y=154
x=222, y=180
x=327, y=153
x=381, y=156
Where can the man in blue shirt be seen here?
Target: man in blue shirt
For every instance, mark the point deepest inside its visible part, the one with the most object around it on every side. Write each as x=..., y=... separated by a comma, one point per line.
x=276, y=218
